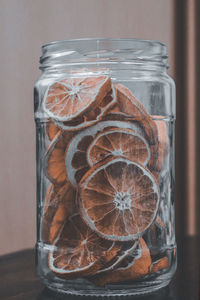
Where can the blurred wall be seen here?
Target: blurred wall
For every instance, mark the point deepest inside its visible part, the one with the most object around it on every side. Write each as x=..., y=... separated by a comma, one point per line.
x=24, y=26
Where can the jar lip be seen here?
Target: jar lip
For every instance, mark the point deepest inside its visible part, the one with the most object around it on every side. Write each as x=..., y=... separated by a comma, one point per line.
x=100, y=49
x=79, y=40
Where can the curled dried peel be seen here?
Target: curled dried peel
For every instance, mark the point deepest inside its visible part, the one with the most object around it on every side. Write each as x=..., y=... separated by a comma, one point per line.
x=79, y=250
x=130, y=109
x=131, y=268
x=127, y=104
x=118, y=199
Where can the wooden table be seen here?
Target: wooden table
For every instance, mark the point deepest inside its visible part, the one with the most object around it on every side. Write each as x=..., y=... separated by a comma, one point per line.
x=19, y=282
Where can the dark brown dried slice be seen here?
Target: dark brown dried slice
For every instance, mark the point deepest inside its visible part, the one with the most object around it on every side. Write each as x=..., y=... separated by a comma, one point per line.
x=160, y=151
x=127, y=104
x=59, y=204
x=124, y=249
x=131, y=268
x=54, y=159
x=159, y=265
x=51, y=129
x=79, y=251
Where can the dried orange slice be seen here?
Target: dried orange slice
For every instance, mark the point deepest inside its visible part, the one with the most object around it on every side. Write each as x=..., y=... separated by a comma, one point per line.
x=79, y=251
x=128, y=105
x=59, y=204
x=76, y=160
x=159, y=265
x=124, y=249
x=131, y=268
x=119, y=199
x=54, y=159
x=51, y=130
x=118, y=142
x=78, y=102
x=162, y=150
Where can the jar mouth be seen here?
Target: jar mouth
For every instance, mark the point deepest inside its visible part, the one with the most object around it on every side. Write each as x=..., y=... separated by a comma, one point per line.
x=90, y=50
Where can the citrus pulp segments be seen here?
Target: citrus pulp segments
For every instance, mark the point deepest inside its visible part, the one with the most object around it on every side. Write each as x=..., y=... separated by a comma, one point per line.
x=79, y=251
x=131, y=268
x=76, y=151
x=85, y=103
x=54, y=158
x=57, y=207
x=118, y=142
x=119, y=199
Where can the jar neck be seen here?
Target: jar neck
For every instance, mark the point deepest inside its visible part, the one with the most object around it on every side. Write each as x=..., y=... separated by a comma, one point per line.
x=115, y=54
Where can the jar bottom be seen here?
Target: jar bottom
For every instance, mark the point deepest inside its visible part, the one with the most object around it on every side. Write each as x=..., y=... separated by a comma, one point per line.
x=139, y=288
x=83, y=287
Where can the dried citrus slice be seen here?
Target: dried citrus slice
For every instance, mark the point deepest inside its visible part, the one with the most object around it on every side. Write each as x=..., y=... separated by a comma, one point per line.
x=59, y=204
x=76, y=161
x=119, y=199
x=124, y=249
x=128, y=105
x=79, y=250
x=78, y=102
x=118, y=142
x=51, y=130
x=159, y=265
x=54, y=159
x=160, y=152
x=131, y=268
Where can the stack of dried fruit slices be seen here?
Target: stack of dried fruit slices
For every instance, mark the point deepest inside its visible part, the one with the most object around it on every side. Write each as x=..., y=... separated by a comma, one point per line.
x=103, y=161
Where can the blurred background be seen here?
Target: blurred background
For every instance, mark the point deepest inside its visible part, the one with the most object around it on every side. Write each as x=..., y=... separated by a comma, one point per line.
x=27, y=24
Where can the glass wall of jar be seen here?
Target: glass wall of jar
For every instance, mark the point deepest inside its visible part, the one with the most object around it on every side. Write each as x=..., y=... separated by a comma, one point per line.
x=105, y=116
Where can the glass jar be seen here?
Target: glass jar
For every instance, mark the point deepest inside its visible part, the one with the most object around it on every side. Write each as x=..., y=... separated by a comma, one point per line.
x=105, y=116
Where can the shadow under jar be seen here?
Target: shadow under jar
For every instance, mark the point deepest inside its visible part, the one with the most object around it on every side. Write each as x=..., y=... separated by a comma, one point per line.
x=105, y=116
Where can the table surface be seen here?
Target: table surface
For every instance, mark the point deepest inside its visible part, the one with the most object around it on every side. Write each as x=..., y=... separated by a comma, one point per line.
x=19, y=282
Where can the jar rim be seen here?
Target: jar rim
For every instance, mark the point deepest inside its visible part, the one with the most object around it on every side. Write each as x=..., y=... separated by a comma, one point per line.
x=112, y=49
x=77, y=40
